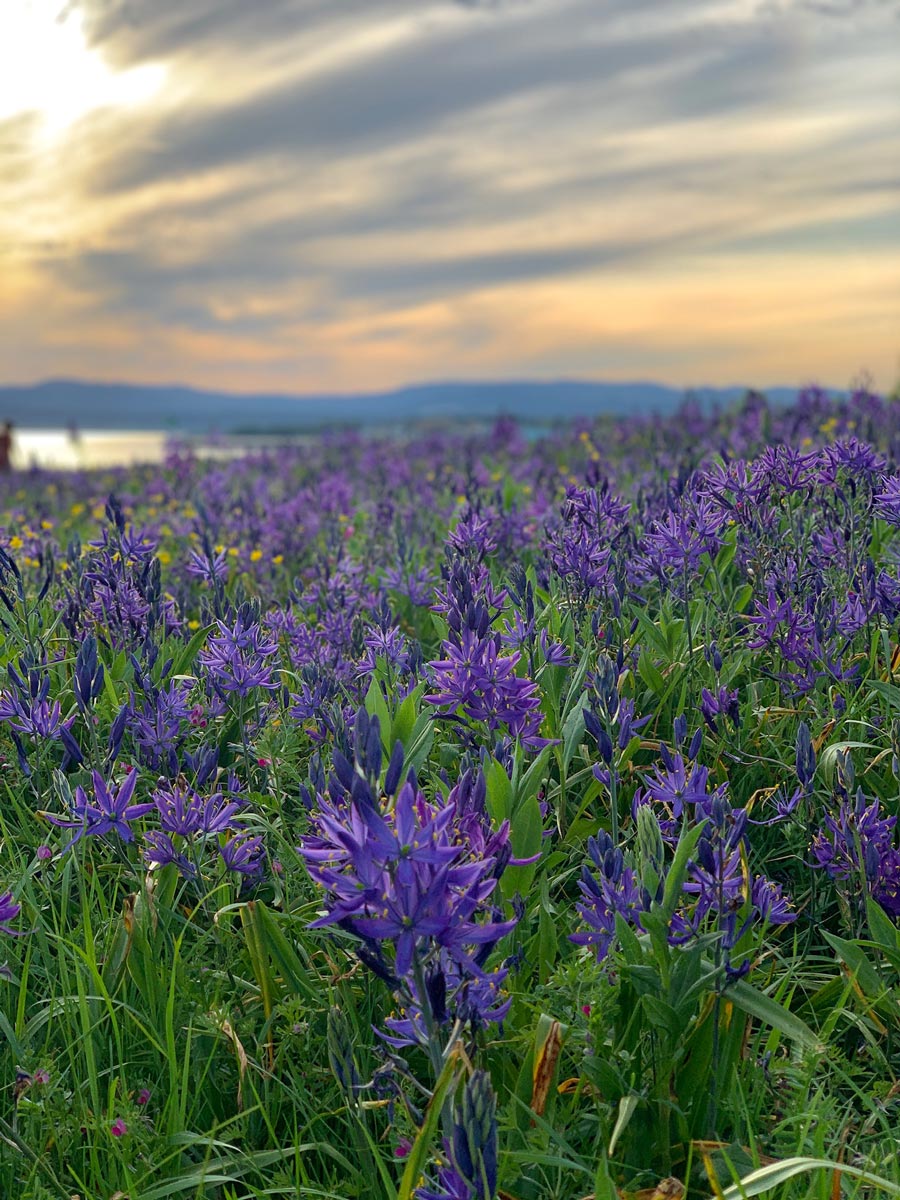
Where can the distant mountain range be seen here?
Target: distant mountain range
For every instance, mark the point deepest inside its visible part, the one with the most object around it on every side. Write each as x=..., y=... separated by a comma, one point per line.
x=61, y=402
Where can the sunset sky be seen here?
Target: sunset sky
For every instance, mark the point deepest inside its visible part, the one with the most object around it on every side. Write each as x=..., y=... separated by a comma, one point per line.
x=312, y=195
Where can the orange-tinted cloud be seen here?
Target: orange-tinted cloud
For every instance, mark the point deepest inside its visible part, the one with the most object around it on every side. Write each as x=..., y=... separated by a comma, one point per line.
x=305, y=196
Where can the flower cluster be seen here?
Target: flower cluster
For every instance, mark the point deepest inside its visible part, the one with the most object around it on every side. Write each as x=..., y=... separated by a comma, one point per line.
x=401, y=875
x=477, y=679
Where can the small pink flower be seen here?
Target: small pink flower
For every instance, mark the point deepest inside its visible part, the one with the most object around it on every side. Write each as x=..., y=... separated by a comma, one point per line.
x=118, y=1128
x=262, y=762
x=41, y=1076
x=128, y=768
x=143, y=1097
x=403, y=1148
x=586, y=1009
x=44, y=853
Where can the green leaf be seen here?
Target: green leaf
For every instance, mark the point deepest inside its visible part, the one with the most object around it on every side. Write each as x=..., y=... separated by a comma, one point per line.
x=272, y=940
x=526, y=835
x=376, y=706
x=254, y=938
x=890, y=691
x=572, y=735
x=420, y=742
x=650, y=631
x=499, y=793
x=776, y=1174
x=530, y=782
x=604, y=1184
x=230, y=1169
x=109, y=689
x=418, y=1155
x=757, y=1004
x=184, y=660
x=829, y=755
x=687, y=844
x=650, y=674
x=662, y=1016
x=855, y=958
x=15, y=1045
x=548, y=938
x=742, y=597
x=627, y=1106
x=575, y=693
x=883, y=930
x=632, y=950
x=725, y=557
x=403, y=723
x=656, y=926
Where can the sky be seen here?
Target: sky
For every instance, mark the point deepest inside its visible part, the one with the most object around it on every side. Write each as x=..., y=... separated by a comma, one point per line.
x=350, y=195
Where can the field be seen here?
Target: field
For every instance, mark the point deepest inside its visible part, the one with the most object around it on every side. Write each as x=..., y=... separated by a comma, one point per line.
x=457, y=816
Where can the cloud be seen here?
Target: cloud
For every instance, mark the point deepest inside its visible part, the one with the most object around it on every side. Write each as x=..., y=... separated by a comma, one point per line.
x=134, y=31
x=327, y=183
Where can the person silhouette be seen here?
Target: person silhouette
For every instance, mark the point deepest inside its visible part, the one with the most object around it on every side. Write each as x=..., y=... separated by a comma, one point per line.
x=6, y=442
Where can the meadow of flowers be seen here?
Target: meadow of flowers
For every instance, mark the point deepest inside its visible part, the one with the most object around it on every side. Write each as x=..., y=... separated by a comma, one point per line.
x=457, y=816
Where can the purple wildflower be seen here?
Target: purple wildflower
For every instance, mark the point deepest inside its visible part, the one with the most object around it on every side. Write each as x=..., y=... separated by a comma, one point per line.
x=238, y=659
x=674, y=786
x=9, y=910
x=160, y=851
x=612, y=890
x=212, y=568
x=243, y=854
x=887, y=501
x=108, y=813
x=477, y=679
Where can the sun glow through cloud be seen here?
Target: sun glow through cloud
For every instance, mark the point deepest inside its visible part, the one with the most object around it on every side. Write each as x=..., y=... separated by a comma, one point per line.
x=310, y=195
x=48, y=68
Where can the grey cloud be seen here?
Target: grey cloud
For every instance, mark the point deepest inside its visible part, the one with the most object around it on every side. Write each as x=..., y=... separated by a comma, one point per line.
x=134, y=31
x=872, y=232
x=428, y=130
x=410, y=92
x=449, y=276
x=140, y=282
x=848, y=8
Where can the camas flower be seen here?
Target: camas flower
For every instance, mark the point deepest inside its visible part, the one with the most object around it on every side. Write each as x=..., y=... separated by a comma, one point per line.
x=770, y=904
x=400, y=874
x=858, y=844
x=610, y=892
x=887, y=501
x=37, y=719
x=9, y=910
x=477, y=679
x=109, y=812
x=243, y=854
x=160, y=851
x=156, y=725
x=238, y=659
x=210, y=567
x=675, y=786
x=185, y=812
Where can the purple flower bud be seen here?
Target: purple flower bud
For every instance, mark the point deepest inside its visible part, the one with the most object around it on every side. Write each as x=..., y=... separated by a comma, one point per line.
x=394, y=770
x=805, y=755
x=696, y=743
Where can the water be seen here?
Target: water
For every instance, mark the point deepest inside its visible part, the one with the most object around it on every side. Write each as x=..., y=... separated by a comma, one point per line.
x=57, y=449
